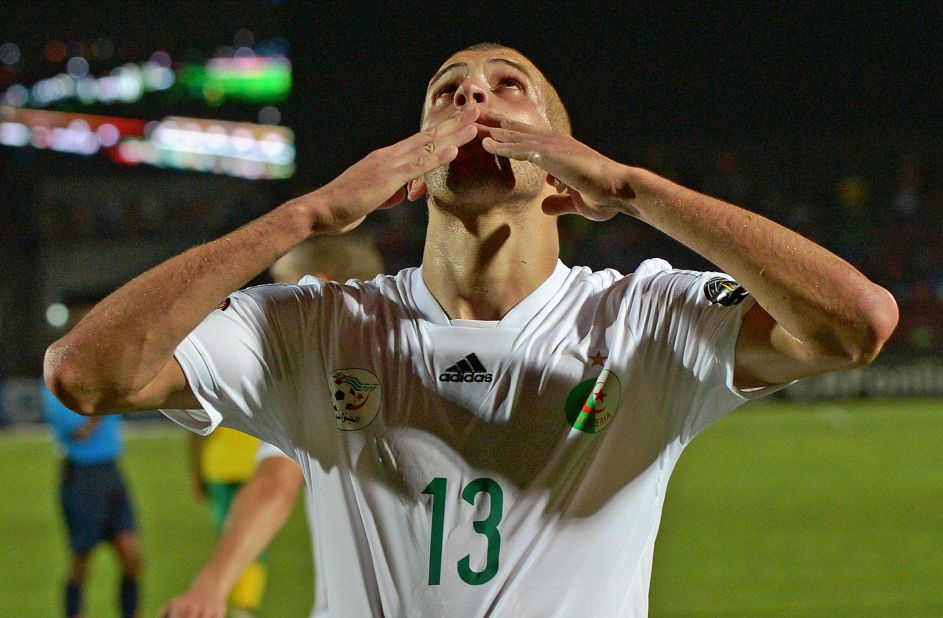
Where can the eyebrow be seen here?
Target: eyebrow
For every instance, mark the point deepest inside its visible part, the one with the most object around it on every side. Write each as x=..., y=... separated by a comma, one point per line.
x=458, y=65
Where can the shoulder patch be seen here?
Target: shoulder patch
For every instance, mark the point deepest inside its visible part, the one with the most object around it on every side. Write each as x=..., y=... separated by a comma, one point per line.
x=726, y=292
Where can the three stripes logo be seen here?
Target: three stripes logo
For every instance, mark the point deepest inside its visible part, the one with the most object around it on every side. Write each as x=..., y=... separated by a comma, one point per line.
x=469, y=369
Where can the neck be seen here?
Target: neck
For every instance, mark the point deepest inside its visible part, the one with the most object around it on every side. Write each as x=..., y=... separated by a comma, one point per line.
x=480, y=267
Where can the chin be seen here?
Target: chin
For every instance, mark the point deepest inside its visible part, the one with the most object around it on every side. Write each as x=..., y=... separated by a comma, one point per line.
x=483, y=181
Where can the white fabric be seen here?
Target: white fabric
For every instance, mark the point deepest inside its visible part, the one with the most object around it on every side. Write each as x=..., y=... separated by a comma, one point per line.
x=579, y=511
x=320, y=607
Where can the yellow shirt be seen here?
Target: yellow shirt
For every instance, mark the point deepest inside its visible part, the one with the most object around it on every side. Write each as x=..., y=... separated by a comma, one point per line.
x=228, y=456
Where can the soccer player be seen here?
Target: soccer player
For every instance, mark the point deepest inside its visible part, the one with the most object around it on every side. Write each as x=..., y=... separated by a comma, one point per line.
x=490, y=433
x=92, y=492
x=262, y=506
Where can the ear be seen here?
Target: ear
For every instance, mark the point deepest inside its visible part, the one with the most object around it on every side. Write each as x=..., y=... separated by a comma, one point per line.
x=415, y=189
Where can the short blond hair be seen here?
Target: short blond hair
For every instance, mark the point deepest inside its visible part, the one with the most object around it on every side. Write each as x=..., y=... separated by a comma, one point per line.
x=348, y=256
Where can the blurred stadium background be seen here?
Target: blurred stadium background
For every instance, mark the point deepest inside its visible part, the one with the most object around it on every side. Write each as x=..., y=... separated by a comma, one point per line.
x=131, y=131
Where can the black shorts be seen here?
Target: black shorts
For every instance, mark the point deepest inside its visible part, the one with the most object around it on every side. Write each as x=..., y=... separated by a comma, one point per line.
x=95, y=503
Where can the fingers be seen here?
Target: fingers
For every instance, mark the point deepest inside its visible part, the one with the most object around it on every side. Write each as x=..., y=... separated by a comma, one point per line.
x=512, y=150
x=422, y=162
x=555, y=205
x=442, y=134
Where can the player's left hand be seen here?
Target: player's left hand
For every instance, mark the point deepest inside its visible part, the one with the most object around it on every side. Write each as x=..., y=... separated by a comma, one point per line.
x=588, y=183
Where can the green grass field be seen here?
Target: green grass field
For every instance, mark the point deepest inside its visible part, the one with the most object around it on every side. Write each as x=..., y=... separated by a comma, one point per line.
x=777, y=510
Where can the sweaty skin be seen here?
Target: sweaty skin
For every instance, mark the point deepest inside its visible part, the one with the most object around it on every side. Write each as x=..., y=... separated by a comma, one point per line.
x=490, y=242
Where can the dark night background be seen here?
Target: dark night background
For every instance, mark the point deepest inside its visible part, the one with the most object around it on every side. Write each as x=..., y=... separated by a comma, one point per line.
x=782, y=109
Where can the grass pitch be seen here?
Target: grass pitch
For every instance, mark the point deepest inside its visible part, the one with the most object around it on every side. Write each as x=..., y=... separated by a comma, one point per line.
x=777, y=510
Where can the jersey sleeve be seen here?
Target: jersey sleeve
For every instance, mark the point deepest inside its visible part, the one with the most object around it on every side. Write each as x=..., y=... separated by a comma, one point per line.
x=267, y=451
x=686, y=325
x=241, y=362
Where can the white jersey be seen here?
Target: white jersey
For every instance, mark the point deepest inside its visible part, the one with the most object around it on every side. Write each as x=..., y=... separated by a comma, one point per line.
x=320, y=608
x=466, y=468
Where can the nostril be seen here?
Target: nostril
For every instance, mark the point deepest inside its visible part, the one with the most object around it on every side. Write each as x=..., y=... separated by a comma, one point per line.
x=479, y=97
x=460, y=99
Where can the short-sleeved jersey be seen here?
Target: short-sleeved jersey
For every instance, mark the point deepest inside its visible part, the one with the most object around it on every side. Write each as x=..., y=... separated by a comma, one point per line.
x=465, y=468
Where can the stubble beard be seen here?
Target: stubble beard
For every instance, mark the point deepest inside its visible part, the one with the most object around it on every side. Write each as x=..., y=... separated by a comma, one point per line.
x=480, y=182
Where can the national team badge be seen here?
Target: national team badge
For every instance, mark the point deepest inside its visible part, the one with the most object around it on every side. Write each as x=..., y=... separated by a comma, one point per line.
x=355, y=394
x=591, y=405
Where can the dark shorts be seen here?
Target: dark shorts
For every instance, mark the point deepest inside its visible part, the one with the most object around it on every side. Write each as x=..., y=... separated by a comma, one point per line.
x=95, y=503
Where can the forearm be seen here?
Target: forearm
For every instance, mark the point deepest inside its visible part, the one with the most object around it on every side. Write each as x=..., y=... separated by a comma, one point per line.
x=259, y=510
x=128, y=338
x=816, y=297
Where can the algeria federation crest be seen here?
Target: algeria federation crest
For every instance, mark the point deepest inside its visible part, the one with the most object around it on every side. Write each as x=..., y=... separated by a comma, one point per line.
x=592, y=404
x=355, y=394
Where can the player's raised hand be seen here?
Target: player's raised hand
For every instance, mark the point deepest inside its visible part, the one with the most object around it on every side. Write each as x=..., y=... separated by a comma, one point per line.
x=589, y=183
x=194, y=604
x=379, y=179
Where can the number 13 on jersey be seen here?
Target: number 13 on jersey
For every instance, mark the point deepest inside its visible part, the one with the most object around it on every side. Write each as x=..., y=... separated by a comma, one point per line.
x=487, y=527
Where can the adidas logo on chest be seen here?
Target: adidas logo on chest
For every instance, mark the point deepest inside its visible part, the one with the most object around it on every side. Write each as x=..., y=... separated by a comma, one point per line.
x=468, y=369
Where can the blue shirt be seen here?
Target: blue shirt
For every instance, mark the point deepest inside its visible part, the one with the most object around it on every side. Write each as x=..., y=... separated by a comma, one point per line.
x=102, y=445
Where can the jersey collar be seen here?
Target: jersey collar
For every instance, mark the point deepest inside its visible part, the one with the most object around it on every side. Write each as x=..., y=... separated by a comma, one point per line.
x=517, y=317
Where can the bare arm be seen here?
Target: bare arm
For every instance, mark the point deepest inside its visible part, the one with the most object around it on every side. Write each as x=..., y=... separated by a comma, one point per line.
x=815, y=311
x=85, y=431
x=259, y=510
x=120, y=358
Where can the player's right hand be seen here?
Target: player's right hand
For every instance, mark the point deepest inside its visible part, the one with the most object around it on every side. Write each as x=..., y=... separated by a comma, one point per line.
x=193, y=604
x=379, y=179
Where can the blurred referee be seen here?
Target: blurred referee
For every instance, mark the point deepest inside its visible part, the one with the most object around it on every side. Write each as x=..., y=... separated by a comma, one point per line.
x=93, y=495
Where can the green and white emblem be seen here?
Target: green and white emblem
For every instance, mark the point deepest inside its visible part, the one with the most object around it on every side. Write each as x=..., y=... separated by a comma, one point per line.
x=592, y=403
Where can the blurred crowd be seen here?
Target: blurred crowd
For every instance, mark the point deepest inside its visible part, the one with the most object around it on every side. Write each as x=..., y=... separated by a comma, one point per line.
x=877, y=206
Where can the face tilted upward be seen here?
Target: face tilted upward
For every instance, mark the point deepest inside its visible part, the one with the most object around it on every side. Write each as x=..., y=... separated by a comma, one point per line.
x=496, y=81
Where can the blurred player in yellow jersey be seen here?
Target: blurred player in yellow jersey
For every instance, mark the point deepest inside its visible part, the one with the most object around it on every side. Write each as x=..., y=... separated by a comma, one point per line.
x=263, y=504
x=221, y=463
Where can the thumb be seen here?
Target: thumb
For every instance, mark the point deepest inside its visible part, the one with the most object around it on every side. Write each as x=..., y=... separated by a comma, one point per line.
x=555, y=205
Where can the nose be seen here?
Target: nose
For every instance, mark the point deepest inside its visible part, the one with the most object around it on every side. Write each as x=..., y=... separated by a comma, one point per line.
x=472, y=91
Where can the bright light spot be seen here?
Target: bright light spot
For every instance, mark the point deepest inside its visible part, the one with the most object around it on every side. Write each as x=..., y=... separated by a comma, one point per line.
x=242, y=140
x=77, y=67
x=14, y=134
x=16, y=96
x=270, y=115
x=40, y=137
x=87, y=90
x=9, y=53
x=157, y=77
x=216, y=137
x=129, y=84
x=108, y=134
x=57, y=315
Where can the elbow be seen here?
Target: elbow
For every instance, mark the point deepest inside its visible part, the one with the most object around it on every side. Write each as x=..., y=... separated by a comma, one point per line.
x=67, y=380
x=879, y=319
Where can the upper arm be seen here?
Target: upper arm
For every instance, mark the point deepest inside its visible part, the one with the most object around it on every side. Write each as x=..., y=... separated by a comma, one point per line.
x=169, y=389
